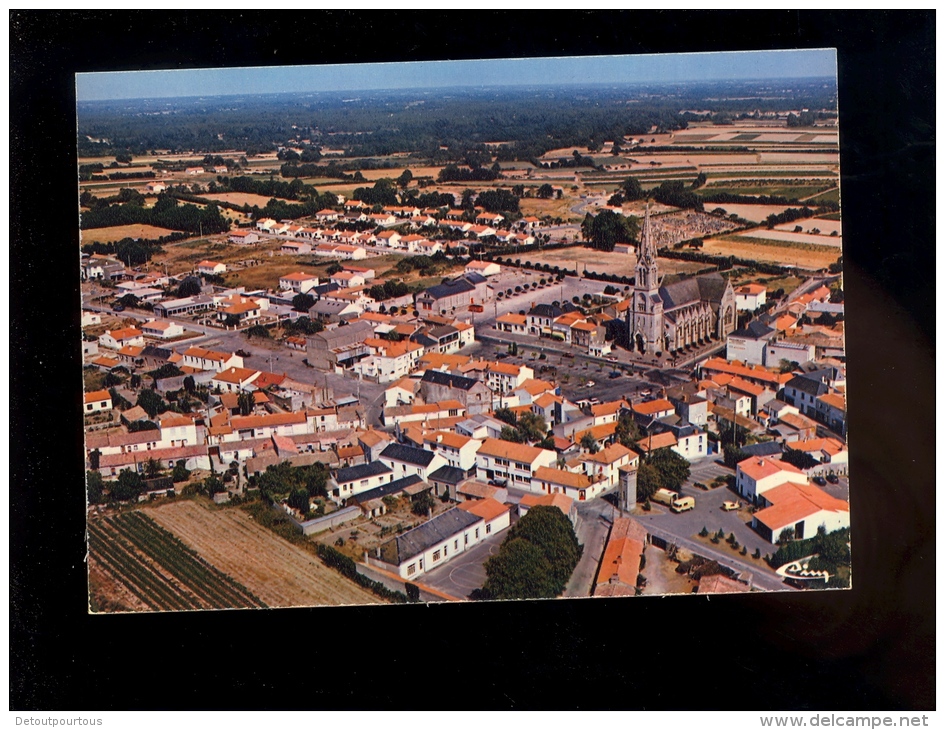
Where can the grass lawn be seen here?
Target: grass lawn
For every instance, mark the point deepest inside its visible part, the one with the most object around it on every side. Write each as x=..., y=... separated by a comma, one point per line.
x=832, y=196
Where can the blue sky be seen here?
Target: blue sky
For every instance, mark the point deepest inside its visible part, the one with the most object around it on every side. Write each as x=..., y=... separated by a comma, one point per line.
x=438, y=74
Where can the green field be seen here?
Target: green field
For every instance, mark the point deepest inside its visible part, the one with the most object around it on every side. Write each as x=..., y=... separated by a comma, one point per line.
x=830, y=196
x=790, y=192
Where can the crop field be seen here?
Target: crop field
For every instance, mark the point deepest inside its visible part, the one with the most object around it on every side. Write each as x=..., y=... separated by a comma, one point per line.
x=824, y=225
x=240, y=198
x=394, y=172
x=550, y=207
x=784, y=253
x=788, y=191
x=791, y=237
x=830, y=196
x=142, y=566
x=278, y=572
x=117, y=233
x=753, y=213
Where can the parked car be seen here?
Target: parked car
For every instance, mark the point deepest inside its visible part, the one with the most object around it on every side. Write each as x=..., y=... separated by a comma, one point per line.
x=729, y=506
x=615, y=374
x=820, y=481
x=591, y=384
x=118, y=308
x=833, y=478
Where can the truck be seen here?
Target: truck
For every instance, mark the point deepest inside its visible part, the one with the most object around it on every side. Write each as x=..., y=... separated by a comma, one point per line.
x=683, y=504
x=664, y=496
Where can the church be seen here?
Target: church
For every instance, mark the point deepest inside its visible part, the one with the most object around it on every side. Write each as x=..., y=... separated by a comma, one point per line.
x=668, y=318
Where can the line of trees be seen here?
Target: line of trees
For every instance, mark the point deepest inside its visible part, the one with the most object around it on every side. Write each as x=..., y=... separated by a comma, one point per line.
x=166, y=213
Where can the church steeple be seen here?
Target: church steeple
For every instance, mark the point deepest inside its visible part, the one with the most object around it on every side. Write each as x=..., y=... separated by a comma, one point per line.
x=647, y=271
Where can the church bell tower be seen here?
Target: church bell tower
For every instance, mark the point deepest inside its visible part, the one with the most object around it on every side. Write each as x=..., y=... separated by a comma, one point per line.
x=645, y=315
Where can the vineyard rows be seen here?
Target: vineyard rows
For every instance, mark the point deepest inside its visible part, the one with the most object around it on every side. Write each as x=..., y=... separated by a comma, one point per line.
x=160, y=570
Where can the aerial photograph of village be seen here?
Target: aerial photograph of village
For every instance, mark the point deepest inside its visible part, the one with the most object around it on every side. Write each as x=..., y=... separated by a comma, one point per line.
x=463, y=331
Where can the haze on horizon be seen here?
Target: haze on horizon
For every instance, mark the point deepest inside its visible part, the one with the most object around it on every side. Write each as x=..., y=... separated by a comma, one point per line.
x=564, y=71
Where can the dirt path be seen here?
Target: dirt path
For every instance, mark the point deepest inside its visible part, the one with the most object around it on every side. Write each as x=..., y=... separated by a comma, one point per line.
x=276, y=571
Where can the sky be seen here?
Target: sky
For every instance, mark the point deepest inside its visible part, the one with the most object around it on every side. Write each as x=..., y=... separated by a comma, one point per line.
x=444, y=74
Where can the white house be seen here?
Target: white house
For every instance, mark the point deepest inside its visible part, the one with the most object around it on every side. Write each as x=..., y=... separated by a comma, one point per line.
x=117, y=339
x=389, y=361
x=353, y=480
x=498, y=459
x=802, y=508
x=408, y=460
x=603, y=468
x=750, y=296
x=756, y=475
x=234, y=379
x=98, y=400
x=459, y=451
x=298, y=281
x=436, y=542
x=241, y=237
x=211, y=267
x=162, y=329
x=200, y=358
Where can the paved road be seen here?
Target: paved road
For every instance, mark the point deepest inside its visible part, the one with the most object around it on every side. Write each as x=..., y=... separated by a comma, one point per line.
x=464, y=573
x=593, y=528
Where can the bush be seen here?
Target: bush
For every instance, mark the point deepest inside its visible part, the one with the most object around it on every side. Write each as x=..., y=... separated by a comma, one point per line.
x=704, y=532
x=347, y=567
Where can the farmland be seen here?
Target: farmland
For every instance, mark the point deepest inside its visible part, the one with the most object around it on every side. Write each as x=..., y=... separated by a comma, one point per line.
x=117, y=233
x=764, y=250
x=137, y=565
x=239, y=198
x=278, y=572
x=788, y=236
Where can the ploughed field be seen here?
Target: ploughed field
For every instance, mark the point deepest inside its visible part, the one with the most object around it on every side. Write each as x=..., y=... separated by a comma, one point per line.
x=278, y=572
x=135, y=565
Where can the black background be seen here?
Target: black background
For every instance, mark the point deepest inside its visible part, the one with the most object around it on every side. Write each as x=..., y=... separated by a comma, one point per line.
x=868, y=648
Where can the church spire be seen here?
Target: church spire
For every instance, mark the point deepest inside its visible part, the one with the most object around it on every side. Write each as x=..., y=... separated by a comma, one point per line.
x=647, y=249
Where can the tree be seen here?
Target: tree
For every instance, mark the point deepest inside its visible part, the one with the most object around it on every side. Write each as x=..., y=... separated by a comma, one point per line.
x=212, y=485
x=507, y=415
x=545, y=191
x=628, y=432
x=511, y=434
x=800, y=459
x=333, y=268
x=589, y=443
x=152, y=403
x=532, y=426
x=786, y=536
x=181, y=473
x=94, y=486
x=189, y=287
x=302, y=302
x=123, y=157
x=413, y=592
x=299, y=500
x=246, y=401
x=190, y=384
x=536, y=559
x=632, y=189
x=607, y=228
x=421, y=503
x=673, y=468
x=648, y=481
x=152, y=468
x=405, y=178
x=128, y=486
x=733, y=455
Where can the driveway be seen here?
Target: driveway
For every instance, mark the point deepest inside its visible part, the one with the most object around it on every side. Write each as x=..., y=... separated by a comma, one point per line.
x=464, y=573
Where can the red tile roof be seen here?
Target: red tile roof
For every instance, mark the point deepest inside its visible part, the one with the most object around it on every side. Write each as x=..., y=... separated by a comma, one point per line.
x=488, y=508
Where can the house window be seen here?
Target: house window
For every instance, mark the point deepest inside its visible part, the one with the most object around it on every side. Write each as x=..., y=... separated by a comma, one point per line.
x=445, y=551
x=477, y=533
x=465, y=537
x=436, y=555
x=88, y=407
x=411, y=569
x=488, y=529
x=455, y=544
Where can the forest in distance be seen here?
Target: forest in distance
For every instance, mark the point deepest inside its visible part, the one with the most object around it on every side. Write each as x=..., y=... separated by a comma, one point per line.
x=436, y=125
